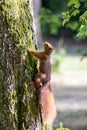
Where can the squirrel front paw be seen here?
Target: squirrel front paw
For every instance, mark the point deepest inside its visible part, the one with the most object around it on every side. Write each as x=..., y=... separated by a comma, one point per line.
x=32, y=84
x=36, y=84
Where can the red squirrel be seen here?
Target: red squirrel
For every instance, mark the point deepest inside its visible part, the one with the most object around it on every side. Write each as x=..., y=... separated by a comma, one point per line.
x=42, y=83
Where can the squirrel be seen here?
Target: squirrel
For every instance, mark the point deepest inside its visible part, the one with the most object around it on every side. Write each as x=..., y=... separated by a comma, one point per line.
x=42, y=83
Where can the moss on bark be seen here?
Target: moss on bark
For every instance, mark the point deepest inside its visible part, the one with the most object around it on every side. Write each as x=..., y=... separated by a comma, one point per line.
x=17, y=68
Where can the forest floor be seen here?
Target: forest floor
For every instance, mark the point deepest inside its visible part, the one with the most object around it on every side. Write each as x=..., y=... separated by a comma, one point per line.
x=69, y=86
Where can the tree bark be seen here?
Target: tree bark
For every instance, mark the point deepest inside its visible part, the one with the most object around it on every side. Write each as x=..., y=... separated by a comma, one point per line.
x=19, y=109
x=37, y=6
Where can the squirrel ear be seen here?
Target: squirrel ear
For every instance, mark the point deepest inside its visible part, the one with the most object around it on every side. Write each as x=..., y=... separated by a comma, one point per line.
x=49, y=45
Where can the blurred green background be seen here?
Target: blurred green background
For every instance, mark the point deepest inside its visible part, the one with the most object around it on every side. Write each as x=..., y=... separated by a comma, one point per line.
x=51, y=18
x=69, y=61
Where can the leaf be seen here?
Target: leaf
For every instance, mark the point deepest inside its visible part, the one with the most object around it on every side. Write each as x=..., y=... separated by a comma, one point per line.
x=61, y=125
x=62, y=129
x=82, y=31
x=75, y=12
x=73, y=25
x=83, y=17
x=76, y=3
x=66, y=129
x=66, y=17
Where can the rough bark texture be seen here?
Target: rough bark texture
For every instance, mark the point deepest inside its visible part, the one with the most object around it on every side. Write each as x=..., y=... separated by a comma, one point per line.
x=18, y=101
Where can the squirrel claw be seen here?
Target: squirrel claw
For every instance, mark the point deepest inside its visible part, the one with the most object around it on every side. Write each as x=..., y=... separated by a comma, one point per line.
x=32, y=84
x=35, y=85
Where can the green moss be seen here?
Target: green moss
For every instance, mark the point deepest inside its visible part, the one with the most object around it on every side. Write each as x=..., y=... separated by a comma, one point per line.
x=22, y=99
x=18, y=16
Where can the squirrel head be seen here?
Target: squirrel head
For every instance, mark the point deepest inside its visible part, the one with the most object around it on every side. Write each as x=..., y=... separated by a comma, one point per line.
x=48, y=48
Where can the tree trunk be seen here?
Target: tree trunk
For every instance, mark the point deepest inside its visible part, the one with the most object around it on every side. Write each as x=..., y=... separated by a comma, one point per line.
x=37, y=7
x=19, y=108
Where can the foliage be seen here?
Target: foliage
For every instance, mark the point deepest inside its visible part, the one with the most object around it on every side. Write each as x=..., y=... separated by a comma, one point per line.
x=56, y=6
x=77, y=8
x=50, y=22
x=61, y=127
x=50, y=16
x=73, y=17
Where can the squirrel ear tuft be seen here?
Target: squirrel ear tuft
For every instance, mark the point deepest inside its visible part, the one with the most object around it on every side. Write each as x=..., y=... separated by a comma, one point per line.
x=49, y=45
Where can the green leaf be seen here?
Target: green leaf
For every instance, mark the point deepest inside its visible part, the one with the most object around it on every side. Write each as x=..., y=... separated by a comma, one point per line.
x=75, y=12
x=62, y=129
x=66, y=17
x=73, y=25
x=82, y=31
x=76, y=3
x=66, y=129
x=61, y=125
x=83, y=17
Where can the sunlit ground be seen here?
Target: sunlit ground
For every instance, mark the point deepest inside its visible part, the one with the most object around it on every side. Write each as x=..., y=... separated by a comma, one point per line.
x=69, y=85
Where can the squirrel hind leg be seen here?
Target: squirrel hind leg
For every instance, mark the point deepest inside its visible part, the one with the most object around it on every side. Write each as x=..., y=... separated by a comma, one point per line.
x=40, y=79
x=41, y=76
x=38, y=84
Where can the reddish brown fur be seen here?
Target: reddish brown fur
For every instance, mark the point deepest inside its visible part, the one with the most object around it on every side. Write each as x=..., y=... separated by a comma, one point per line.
x=42, y=82
x=46, y=100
